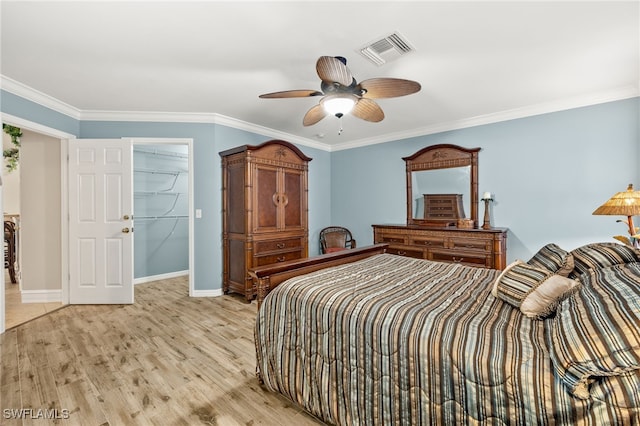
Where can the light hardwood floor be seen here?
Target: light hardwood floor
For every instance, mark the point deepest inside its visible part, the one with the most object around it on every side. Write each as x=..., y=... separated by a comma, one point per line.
x=166, y=360
x=17, y=312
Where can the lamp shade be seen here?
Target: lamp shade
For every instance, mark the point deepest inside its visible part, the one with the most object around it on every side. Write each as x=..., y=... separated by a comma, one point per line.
x=625, y=203
x=339, y=105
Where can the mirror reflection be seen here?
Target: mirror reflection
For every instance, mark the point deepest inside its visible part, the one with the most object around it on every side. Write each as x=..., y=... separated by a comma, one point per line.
x=441, y=181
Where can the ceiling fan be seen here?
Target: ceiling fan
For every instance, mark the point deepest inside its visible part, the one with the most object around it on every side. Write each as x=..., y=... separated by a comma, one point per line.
x=341, y=93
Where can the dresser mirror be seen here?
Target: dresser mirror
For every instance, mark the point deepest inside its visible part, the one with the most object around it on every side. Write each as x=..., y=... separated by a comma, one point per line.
x=442, y=169
x=442, y=181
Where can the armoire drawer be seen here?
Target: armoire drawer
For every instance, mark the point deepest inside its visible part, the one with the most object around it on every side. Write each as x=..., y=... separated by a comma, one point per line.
x=278, y=257
x=275, y=245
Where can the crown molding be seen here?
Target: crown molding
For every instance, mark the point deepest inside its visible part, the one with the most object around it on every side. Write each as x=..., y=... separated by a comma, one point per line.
x=266, y=131
x=52, y=103
x=507, y=115
x=33, y=95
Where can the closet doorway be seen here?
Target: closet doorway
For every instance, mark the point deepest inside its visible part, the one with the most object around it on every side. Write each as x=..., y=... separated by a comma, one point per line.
x=161, y=209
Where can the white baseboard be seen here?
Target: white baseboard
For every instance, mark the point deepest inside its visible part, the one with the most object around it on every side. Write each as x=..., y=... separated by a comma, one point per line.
x=166, y=276
x=207, y=293
x=41, y=296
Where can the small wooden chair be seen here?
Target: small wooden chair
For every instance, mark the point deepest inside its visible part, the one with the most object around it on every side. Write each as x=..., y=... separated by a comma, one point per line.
x=336, y=238
x=10, y=249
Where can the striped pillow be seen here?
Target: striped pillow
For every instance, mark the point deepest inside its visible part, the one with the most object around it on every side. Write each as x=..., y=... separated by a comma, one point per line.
x=554, y=259
x=602, y=255
x=596, y=333
x=535, y=291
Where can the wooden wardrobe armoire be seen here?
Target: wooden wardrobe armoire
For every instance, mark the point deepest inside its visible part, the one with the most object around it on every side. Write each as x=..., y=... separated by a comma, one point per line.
x=264, y=210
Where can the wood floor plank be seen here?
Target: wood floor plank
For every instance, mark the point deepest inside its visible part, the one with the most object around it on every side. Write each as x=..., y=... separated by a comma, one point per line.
x=168, y=359
x=9, y=374
x=84, y=406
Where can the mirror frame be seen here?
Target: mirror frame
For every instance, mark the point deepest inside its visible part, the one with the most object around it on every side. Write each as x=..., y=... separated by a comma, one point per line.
x=443, y=156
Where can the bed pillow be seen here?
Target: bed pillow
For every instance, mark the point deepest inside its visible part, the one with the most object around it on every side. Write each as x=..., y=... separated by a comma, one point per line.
x=535, y=291
x=596, y=333
x=601, y=255
x=554, y=259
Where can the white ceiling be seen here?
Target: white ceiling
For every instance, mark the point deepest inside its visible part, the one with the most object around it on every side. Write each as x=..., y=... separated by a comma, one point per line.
x=477, y=61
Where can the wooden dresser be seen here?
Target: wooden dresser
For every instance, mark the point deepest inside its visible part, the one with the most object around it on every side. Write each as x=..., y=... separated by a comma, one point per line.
x=264, y=210
x=485, y=248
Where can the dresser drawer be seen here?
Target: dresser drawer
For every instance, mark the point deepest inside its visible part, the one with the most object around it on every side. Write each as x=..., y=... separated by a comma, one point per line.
x=470, y=244
x=398, y=239
x=275, y=245
x=276, y=258
x=466, y=258
x=409, y=252
x=428, y=242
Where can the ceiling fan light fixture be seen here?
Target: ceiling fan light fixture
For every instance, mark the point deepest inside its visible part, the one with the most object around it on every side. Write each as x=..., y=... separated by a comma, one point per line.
x=339, y=105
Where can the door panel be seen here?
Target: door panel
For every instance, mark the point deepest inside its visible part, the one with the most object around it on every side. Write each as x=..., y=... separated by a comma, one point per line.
x=293, y=214
x=266, y=199
x=100, y=238
x=87, y=262
x=236, y=202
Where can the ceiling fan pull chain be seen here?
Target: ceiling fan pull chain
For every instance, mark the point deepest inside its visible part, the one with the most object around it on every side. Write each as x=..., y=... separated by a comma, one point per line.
x=340, y=124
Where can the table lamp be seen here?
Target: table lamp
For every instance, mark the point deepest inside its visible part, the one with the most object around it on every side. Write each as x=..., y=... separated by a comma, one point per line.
x=625, y=203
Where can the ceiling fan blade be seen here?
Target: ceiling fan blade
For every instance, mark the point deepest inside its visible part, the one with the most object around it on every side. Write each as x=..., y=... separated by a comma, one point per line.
x=332, y=70
x=368, y=110
x=291, y=94
x=377, y=88
x=314, y=115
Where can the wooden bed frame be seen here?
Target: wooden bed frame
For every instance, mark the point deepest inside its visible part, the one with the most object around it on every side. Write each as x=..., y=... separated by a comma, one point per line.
x=267, y=277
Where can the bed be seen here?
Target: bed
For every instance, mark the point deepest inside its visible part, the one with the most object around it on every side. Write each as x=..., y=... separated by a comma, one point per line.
x=398, y=341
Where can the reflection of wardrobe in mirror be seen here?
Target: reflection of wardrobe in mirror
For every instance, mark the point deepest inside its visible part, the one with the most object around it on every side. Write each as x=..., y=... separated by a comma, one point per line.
x=431, y=170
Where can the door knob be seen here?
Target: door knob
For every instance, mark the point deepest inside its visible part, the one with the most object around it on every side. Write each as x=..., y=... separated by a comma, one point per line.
x=125, y=230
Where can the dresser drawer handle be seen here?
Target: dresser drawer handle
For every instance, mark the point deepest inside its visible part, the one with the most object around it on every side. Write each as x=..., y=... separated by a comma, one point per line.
x=281, y=259
x=457, y=260
x=280, y=245
x=402, y=253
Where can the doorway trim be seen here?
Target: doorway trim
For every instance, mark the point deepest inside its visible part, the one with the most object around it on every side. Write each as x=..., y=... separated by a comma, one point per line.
x=64, y=202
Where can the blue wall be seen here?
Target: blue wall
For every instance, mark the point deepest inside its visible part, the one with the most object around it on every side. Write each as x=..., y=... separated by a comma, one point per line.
x=20, y=107
x=208, y=141
x=548, y=174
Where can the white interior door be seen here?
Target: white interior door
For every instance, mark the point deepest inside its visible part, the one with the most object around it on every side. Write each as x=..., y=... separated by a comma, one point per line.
x=100, y=221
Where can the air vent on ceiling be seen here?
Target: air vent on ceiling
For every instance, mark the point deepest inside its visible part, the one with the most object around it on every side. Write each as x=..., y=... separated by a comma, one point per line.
x=386, y=49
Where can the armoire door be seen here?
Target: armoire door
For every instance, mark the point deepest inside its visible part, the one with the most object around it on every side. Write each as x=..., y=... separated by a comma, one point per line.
x=293, y=214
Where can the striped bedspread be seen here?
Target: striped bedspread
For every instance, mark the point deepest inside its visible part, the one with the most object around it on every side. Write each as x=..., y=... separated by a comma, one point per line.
x=390, y=340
